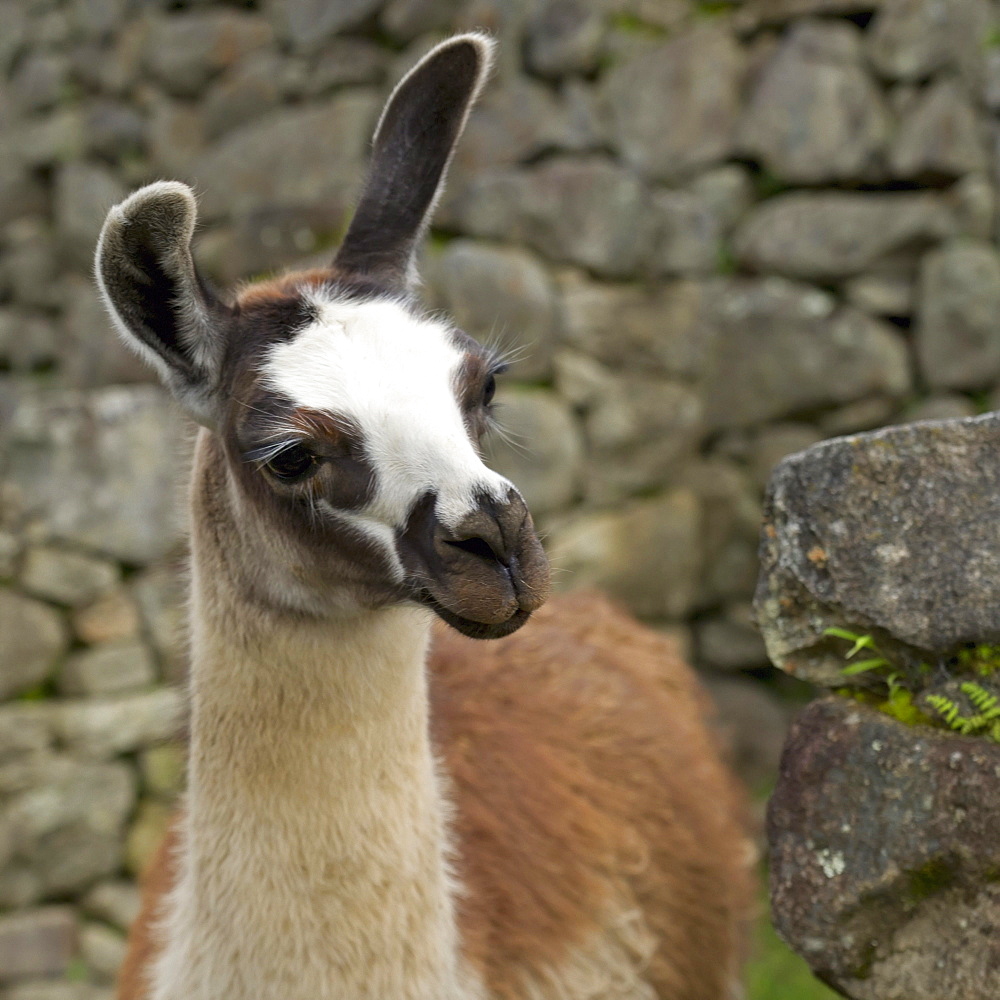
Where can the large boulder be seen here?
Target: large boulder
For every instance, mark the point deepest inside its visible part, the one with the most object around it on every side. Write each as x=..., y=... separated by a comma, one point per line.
x=892, y=532
x=884, y=854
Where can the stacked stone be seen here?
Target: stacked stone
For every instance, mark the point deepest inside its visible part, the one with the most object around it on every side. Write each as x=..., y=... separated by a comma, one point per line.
x=710, y=233
x=882, y=826
x=87, y=637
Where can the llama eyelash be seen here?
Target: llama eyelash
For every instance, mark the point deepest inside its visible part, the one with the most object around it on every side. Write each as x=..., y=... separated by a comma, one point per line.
x=264, y=453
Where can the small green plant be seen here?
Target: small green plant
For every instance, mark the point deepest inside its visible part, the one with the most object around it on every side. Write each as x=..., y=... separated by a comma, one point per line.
x=986, y=721
x=861, y=642
x=632, y=24
x=891, y=694
x=982, y=659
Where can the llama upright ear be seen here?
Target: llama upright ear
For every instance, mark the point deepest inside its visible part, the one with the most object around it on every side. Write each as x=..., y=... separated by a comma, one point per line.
x=161, y=307
x=413, y=145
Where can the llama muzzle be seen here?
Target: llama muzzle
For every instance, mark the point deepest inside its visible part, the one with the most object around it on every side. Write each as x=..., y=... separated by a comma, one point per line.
x=483, y=576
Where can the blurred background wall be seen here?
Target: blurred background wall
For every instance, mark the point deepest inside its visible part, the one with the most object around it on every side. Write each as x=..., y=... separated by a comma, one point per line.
x=712, y=233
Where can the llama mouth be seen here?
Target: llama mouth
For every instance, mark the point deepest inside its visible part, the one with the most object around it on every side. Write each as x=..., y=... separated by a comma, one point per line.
x=468, y=626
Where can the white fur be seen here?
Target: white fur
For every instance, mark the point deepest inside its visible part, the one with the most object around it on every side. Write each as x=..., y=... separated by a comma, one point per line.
x=314, y=853
x=393, y=375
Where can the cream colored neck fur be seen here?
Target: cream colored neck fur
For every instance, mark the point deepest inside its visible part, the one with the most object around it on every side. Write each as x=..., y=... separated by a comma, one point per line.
x=314, y=862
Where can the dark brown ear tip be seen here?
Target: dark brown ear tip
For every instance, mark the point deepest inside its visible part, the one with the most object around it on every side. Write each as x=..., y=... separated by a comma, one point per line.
x=472, y=51
x=167, y=208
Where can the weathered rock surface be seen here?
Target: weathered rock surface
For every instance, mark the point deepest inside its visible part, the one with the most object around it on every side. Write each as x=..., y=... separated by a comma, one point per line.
x=108, y=668
x=36, y=943
x=647, y=555
x=893, y=531
x=661, y=329
x=883, y=855
x=184, y=52
x=752, y=727
x=313, y=156
x=939, y=137
x=794, y=351
x=564, y=37
x=66, y=577
x=119, y=725
x=660, y=104
x=310, y=23
x=815, y=115
x=103, y=949
x=33, y=637
x=116, y=902
x=585, y=211
x=513, y=124
x=689, y=240
x=500, y=296
x=957, y=339
x=539, y=448
x=838, y=234
x=637, y=426
x=730, y=641
x=89, y=469
x=910, y=39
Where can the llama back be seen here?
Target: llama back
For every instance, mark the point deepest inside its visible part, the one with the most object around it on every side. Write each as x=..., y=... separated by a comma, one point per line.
x=601, y=842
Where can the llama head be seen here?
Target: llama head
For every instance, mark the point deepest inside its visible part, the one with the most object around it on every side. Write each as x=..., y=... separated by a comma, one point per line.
x=345, y=422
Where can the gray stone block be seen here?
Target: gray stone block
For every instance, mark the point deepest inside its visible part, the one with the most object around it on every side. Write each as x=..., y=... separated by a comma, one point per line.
x=957, y=338
x=815, y=115
x=33, y=636
x=65, y=576
x=892, y=532
x=883, y=851
x=37, y=942
x=668, y=117
x=110, y=668
x=98, y=470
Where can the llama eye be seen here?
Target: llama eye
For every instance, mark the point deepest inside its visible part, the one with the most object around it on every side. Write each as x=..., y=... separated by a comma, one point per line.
x=293, y=464
x=489, y=390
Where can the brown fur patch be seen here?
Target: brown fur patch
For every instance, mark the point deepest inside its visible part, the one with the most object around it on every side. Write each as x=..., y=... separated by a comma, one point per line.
x=143, y=944
x=283, y=287
x=580, y=764
x=580, y=757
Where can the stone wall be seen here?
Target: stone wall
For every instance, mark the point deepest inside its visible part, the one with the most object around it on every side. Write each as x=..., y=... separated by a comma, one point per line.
x=712, y=233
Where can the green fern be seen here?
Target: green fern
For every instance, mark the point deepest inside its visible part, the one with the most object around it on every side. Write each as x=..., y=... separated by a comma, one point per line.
x=982, y=659
x=986, y=721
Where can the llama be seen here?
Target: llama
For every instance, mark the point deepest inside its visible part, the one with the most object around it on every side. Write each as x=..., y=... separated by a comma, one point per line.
x=380, y=807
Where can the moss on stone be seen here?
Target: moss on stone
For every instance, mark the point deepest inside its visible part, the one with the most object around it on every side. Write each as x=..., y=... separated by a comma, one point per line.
x=928, y=880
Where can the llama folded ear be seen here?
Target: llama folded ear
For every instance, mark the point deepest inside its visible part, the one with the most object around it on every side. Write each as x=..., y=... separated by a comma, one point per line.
x=159, y=304
x=413, y=145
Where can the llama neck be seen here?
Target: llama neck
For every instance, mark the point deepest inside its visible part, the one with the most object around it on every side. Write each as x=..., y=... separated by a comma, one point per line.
x=314, y=860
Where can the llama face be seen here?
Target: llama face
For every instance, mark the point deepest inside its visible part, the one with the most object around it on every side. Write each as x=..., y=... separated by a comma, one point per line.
x=358, y=431
x=344, y=425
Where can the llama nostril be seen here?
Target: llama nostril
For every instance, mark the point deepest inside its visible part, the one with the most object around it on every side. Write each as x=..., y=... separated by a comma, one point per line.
x=477, y=547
